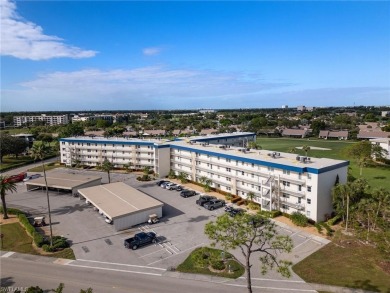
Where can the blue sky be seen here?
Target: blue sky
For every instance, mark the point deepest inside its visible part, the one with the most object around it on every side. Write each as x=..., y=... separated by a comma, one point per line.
x=126, y=55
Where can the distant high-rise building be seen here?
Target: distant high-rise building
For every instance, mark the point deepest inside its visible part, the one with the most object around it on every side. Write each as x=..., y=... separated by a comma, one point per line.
x=284, y=106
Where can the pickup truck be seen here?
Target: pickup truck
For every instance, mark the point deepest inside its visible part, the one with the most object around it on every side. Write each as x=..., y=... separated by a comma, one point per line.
x=140, y=239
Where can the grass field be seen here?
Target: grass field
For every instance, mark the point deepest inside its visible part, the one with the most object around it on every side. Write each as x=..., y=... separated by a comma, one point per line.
x=48, y=167
x=346, y=262
x=376, y=176
x=16, y=239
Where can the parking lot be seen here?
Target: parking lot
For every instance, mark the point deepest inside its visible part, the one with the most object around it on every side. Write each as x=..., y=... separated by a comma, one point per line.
x=180, y=230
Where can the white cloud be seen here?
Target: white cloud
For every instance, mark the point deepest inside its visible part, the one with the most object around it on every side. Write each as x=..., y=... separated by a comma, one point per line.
x=152, y=51
x=23, y=39
x=141, y=88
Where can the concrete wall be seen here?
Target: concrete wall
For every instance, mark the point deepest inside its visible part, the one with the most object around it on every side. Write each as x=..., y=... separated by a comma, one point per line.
x=140, y=217
x=326, y=182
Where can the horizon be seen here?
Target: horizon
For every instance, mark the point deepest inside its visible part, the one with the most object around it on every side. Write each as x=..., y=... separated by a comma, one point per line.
x=166, y=56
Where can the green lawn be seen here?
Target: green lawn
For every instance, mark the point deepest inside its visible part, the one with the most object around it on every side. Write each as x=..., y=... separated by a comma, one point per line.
x=376, y=176
x=11, y=161
x=16, y=239
x=49, y=166
x=345, y=262
x=191, y=266
x=12, y=131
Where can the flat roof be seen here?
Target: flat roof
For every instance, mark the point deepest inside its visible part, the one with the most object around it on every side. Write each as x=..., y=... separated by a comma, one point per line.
x=261, y=157
x=119, y=199
x=220, y=136
x=63, y=180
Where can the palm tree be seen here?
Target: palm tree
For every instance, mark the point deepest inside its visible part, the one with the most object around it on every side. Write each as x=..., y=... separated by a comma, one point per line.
x=363, y=162
x=107, y=167
x=5, y=186
x=182, y=177
x=39, y=151
x=251, y=195
x=306, y=149
x=207, y=184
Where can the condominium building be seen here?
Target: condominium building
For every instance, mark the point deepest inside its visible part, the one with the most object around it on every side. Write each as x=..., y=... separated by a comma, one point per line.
x=48, y=119
x=277, y=181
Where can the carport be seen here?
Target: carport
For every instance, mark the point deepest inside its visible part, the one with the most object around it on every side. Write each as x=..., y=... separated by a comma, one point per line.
x=123, y=204
x=64, y=182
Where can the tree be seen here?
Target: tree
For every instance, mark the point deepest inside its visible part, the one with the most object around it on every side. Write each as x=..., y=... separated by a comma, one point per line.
x=254, y=145
x=73, y=129
x=306, y=149
x=6, y=186
x=39, y=151
x=6, y=142
x=182, y=177
x=359, y=150
x=251, y=234
x=378, y=152
x=127, y=167
x=363, y=162
x=19, y=145
x=107, y=166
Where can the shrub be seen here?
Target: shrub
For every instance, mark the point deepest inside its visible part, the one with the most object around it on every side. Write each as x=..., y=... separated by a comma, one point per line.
x=228, y=196
x=319, y=227
x=60, y=242
x=333, y=220
x=286, y=215
x=328, y=229
x=217, y=264
x=299, y=219
x=275, y=214
x=254, y=206
x=39, y=240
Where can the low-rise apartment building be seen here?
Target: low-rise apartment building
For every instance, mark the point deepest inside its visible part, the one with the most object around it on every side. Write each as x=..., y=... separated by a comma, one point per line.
x=277, y=181
x=48, y=119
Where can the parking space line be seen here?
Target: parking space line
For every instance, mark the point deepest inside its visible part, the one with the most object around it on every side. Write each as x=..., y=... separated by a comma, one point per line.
x=145, y=255
x=120, y=264
x=302, y=236
x=302, y=243
x=287, y=230
x=116, y=270
x=177, y=253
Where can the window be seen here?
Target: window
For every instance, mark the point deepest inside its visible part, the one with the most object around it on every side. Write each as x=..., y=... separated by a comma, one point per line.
x=270, y=169
x=287, y=172
x=285, y=195
x=308, y=176
x=242, y=193
x=308, y=213
x=299, y=200
x=63, y=142
x=253, y=175
x=308, y=201
x=228, y=169
x=309, y=189
x=242, y=173
x=285, y=207
x=299, y=187
x=228, y=179
x=227, y=160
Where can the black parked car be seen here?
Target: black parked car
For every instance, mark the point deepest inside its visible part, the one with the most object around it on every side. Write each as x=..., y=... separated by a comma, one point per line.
x=214, y=204
x=203, y=199
x=187, y=193
x=140, y=239
x=161, y=182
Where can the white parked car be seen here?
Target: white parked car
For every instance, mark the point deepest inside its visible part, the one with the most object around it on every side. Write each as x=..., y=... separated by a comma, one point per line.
x=171, y=186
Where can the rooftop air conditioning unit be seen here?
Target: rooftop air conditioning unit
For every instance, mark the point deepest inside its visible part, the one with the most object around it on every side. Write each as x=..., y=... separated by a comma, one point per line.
x=298, y=158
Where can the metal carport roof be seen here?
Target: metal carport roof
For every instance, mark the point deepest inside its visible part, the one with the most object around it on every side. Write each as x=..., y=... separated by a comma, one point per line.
x=64, y=181
x=116, y=200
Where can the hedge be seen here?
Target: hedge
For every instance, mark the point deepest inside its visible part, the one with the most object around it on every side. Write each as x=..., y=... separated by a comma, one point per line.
x=38, y=238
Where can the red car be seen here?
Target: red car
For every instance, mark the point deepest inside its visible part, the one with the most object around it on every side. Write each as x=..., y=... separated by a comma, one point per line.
x=16, y=178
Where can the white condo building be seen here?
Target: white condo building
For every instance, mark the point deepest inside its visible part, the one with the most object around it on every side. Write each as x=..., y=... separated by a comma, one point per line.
x=279, y=181
x=48, y=119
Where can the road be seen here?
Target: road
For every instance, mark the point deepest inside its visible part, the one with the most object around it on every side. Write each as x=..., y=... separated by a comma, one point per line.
x=18, y=270
x=29, y=166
